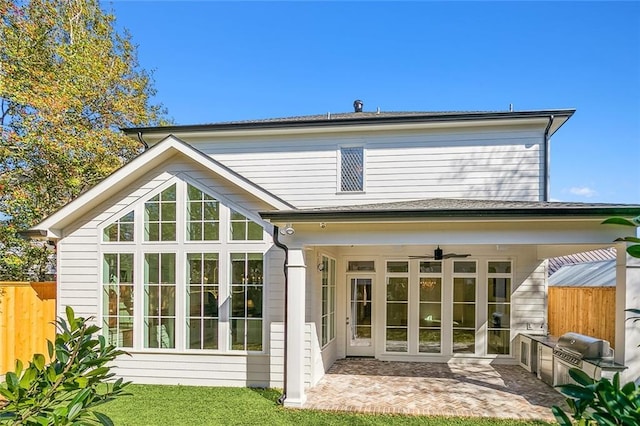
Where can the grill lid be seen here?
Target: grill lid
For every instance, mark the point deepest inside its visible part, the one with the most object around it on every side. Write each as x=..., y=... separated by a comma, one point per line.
x=583, y=346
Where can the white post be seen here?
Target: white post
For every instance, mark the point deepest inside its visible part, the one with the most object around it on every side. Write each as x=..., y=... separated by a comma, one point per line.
x=627, y=297
x=296, y=270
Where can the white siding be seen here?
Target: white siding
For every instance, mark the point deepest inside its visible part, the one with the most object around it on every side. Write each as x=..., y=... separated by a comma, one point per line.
x=474, y=163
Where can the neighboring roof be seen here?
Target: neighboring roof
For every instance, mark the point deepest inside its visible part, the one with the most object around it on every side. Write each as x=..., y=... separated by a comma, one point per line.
x=556, y=263
x=589, y=274
x=454, y=208
x=137, y=167
x=355, y=118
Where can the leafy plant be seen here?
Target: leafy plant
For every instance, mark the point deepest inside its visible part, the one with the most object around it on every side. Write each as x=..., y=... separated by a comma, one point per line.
x=64, y=391
x=602, y=402
x=633, y=249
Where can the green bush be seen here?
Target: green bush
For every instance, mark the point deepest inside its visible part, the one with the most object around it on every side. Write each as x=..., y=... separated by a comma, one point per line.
x=65, y=391
x=601, y=402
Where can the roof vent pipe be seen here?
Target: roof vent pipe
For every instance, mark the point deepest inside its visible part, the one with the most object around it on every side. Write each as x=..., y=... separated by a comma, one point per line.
x=357, y=105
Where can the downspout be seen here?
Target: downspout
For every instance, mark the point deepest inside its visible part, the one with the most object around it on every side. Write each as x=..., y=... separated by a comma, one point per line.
x=546, y=159
x=281, y=245
x=142, y=141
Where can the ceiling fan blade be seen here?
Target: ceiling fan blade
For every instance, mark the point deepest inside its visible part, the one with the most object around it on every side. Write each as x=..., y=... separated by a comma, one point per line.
x=450, y=255
x=421, y=257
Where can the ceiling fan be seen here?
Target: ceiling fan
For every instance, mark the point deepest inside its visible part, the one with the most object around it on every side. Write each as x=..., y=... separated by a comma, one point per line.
x=439, y=255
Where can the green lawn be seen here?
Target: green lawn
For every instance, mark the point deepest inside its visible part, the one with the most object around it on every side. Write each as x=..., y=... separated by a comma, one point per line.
x=186, y=405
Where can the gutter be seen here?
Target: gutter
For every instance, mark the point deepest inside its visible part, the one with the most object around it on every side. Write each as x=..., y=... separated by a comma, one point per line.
x=547, y=159
x=282, y=246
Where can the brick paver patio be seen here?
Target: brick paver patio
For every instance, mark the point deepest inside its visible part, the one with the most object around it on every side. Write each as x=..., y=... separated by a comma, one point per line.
x=469, y=390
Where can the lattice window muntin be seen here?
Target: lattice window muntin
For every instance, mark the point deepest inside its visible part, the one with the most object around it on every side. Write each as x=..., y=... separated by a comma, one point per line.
x=352, y=169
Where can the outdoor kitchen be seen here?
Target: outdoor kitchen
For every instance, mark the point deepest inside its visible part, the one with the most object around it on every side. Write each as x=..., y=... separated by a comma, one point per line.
x=550, y=357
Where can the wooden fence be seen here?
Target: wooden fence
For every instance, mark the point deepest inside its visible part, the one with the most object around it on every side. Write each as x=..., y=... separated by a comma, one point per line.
x=585, y=310
x=27, y=312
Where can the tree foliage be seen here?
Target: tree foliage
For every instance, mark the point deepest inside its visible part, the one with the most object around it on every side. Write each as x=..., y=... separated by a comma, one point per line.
x=68, y=81
x=66, y=390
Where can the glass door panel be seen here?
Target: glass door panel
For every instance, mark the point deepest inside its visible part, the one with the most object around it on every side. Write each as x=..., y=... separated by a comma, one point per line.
x=360, y=316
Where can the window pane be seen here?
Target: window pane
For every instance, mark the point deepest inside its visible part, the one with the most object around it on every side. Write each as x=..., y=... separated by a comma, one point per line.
x=255, y=231
x=435, y=267
x=193, y=193
x=195, y=334
x=254, y=335
x=397, y=340
x=464, y=341
x=500, y=267
x=499, y=289
x=152, y=212
x=210, y=331
x=237, y=334
x=430, y=315
x=254, y=301
x=499, y=315
x=396, y=314
x=195, y=210
x=464, y=315
x=168, y=268
x=211, y=231
x=464, y=267
x=398, y=288
x=429, y=341
x=168, y=231
x=238, y=230
x=361, y=265
x=168, y=194
x=211, y=210
x=151, y=268
x=430, y=289
x=238, y=301
x=397, y=266
x=110, y=233
x=195, y=301
x=499, y=342
x=168, y=212
x=126, y=232
x=464, y=289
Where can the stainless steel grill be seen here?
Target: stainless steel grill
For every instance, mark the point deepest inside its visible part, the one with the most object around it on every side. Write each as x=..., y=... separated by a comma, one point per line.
x=572, y=348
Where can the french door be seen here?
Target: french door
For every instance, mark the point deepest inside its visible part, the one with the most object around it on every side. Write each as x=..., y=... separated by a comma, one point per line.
x=359, y=316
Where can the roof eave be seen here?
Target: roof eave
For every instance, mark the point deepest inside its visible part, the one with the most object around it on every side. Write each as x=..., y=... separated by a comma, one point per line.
x=452, y=117
x=448, y=214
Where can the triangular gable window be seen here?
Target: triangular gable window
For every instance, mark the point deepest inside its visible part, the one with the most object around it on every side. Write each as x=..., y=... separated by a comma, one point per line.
x=160, y=216
x=203, y=216
x=120, y=230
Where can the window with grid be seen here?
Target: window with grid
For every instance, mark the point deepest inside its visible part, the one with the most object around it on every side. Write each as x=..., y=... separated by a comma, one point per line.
x=120, y=230
x=351, y=169
x=160, y=300
x=430, y=334
x=246, y=301
x=397, y=327
x=499, y=307
x=203, y=217
x=202, y=295
x=328, y=299
x=244, y=229
x=117, y=298
x=464, y=306
x=160, y=216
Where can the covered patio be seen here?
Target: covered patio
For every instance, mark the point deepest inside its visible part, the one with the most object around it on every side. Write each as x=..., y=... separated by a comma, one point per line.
x=435, y=389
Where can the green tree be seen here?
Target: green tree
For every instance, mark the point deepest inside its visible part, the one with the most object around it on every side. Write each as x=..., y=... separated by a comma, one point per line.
x=66, y=390
x=68, y=81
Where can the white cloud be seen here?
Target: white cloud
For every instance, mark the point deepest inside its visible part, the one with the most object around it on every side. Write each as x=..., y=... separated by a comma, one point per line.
x=583, y=191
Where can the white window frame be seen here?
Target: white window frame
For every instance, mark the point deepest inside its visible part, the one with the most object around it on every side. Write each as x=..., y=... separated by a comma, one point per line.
x=510, y=276
x=224, y=246
x=329, y=267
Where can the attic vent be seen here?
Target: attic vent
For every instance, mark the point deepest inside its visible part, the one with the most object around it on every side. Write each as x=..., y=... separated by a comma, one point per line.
x=357, y=105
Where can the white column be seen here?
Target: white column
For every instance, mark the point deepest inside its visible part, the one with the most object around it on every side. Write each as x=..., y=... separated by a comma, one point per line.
x=296, y=270
x=627, y=297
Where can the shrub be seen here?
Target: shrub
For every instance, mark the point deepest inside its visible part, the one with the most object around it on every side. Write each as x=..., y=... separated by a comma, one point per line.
x=66, y=390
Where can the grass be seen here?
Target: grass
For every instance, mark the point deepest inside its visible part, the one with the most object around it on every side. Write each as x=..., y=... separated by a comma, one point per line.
x=186, y=405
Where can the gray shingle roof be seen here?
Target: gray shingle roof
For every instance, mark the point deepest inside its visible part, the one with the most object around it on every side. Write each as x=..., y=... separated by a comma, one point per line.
x=456, y=208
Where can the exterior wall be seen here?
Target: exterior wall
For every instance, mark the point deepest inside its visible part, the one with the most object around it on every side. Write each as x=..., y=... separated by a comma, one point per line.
x=79, y=286
x=487, y=163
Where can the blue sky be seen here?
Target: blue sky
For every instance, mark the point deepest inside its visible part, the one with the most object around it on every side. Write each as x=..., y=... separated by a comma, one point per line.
x=218, y=61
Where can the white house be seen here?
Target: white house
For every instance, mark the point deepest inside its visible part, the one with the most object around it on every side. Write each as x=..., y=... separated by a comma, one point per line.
x=256, y=253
